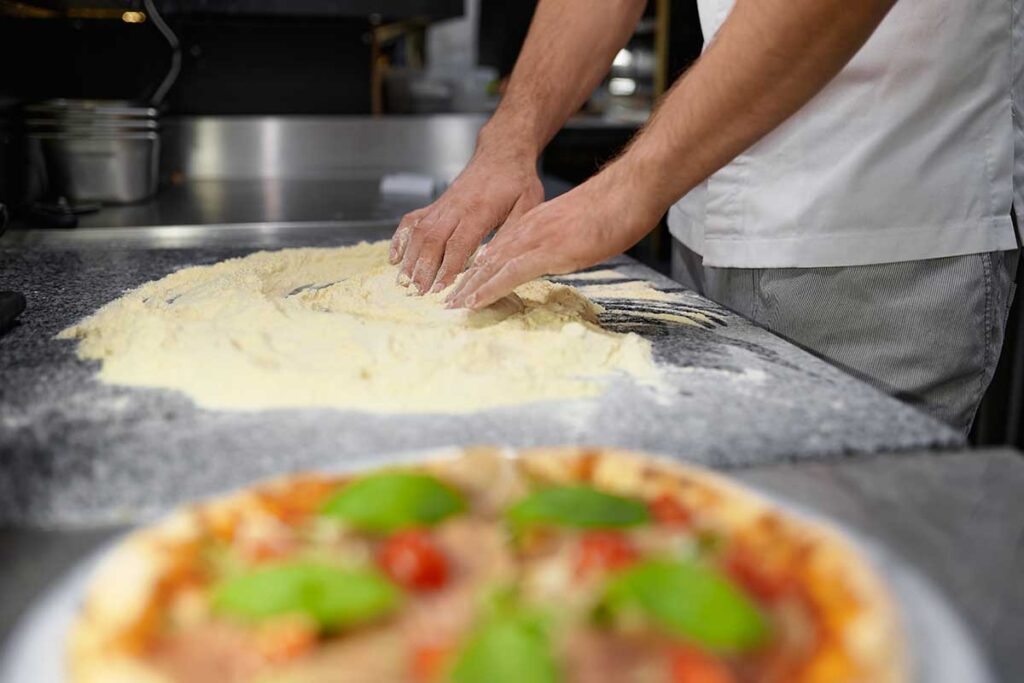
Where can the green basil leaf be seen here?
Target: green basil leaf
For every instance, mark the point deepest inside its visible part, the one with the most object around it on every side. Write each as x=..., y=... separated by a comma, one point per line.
x=578, y=506
x=690, y=601
x=394, y=500
x=507, y=648
x=333, y=597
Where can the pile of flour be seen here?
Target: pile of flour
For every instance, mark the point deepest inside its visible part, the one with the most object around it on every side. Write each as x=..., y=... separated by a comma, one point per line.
x=332, y=328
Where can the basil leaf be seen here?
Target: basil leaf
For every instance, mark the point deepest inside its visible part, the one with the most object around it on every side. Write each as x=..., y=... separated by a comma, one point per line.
x=690, y=601
x=331, y=596
x=578, y=506
x=394, y=500
x=507, y=648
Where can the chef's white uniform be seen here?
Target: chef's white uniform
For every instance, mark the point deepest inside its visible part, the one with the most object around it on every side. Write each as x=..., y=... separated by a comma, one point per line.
x=874, y=226
x=909, y=153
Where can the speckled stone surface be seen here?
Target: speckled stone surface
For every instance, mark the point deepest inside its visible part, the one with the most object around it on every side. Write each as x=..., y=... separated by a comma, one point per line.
x=75, y=452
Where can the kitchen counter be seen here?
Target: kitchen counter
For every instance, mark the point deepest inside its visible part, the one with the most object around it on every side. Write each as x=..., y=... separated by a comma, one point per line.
x=76, y=452
x=958, y=517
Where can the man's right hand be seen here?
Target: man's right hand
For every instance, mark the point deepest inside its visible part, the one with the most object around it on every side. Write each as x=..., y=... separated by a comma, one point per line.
x=434, y=244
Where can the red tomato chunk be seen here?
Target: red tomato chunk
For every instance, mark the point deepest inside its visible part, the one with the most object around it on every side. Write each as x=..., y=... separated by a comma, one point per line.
x=413, y=560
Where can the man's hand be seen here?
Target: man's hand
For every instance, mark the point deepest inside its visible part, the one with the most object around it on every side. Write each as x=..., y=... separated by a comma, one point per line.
x=434, y=243
x=599, y=219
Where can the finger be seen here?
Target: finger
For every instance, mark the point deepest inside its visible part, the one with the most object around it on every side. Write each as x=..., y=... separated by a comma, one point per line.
x=457, y=254
x=431, y=252
x=412, y=250
x=519, y=270
x=467, y=238
x=487, y=260
x=454, y=298
x=511, y=240
x=400, y=240
x=497, y=257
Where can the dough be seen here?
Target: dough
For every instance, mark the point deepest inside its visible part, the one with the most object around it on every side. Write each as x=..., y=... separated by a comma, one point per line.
x=330, y=327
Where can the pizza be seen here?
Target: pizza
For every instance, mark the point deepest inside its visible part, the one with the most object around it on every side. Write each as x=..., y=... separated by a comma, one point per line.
x=538, y=566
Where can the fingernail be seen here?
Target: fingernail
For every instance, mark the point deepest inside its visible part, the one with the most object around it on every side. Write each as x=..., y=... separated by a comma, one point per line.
x=436, y=288
x=404, y=279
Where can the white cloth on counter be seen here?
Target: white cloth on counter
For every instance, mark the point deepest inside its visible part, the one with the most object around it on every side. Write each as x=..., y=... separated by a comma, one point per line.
x=914, y=151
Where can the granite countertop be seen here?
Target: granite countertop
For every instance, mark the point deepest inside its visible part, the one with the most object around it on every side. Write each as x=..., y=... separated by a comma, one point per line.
x=957, y=517
x=77, y=452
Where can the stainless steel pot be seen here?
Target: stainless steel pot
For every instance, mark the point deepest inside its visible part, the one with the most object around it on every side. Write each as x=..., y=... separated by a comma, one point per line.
x=96, y=150
x=115, y=169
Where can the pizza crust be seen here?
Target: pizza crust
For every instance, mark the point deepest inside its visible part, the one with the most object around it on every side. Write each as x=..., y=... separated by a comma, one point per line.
x=99, y=647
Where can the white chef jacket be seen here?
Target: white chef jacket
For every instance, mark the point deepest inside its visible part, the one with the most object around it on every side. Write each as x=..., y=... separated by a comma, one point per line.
x=914, y=151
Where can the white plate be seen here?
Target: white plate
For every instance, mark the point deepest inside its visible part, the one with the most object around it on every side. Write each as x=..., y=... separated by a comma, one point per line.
x=942, y=649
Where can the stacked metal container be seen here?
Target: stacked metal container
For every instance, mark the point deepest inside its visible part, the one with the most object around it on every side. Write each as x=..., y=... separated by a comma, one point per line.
x=96, y=150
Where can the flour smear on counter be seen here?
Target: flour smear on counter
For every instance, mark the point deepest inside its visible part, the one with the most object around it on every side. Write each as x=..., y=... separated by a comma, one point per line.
x=331, y=328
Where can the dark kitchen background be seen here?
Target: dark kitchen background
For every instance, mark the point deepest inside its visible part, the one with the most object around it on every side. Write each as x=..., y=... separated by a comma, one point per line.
x=291, y=66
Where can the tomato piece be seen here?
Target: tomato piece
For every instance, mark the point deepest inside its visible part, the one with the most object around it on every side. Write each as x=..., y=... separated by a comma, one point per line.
x=765, y=583
x=667, y=510
x=690, y=665
x=604, y=551
x=428, y=662
x=413, y=560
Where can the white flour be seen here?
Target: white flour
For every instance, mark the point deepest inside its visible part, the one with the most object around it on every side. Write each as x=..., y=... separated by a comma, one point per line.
x=271, y=330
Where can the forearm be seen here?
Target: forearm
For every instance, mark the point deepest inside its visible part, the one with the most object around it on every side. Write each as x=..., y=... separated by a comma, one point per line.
x=769, y=59
x=569, y=48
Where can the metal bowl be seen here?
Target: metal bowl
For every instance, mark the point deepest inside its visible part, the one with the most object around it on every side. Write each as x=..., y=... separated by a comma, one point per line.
x=118, y=168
